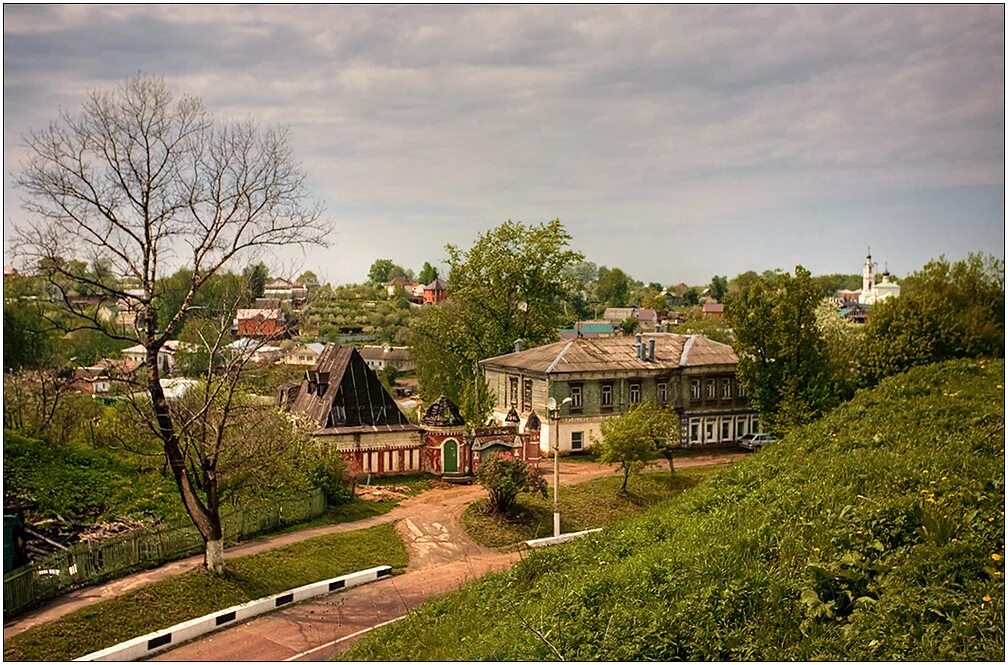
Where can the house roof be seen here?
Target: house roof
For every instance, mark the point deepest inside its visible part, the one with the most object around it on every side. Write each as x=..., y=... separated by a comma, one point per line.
x=385, y=352
x=442, y=413
x=606, y=354
x=619, y=313
x=341, y=394
x=437, y=285
x=713, y=308
x=253, y=313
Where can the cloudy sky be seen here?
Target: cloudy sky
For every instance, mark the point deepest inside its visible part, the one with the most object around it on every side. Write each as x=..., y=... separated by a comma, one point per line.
x=674, y=142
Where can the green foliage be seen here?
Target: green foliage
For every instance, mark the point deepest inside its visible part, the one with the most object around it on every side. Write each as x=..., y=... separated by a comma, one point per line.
x=587, y=505
x=629, y=325
x=256, y=276
x=428, y=273
x=196, y=593
x=510, y=284
x=612, y=288
x=874, y=534
x=844, y=343
x=330, y=476
x=381, y=271
x=782, y=357
x=504, y=476
x=29, y=341
x=88, y=346
x=86, y=484
x=830, y=284
x=719, y=287
x=308, y=277
x=638, y=436
x=944, y=311
x=710, y=327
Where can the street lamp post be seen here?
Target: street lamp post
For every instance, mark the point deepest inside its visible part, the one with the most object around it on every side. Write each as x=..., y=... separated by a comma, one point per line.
x=554, y=415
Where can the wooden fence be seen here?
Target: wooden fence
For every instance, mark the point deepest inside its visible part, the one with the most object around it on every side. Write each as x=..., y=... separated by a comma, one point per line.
x=84, y=564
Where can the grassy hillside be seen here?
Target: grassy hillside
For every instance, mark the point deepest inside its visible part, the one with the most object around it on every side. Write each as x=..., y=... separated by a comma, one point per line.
x=874, y=534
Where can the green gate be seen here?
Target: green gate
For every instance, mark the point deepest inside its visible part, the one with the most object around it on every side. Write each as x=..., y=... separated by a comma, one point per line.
x=450, y=457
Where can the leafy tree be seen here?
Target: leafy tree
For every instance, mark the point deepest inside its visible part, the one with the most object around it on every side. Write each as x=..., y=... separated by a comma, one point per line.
x=332, y=476
x=380, y=270
x=691, y=296
x=389, y=374
x=783, y=362
x=510, y=284
x=307, y=277
x=613, y=287
x=428, y=273
x=830, y=284
x=257, y=275
x=629, y=325
x=504, y=477
x=133, y=177
x=628, y=440
x=741, y=282
x=945, y=310
x=708, y=326
x=719, y=287
x=845, y=346
x=29, y=340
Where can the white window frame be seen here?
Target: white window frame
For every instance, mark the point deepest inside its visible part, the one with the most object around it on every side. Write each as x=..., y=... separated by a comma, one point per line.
x=711, y=389
x=710, y=430
x=695, y=431
x=661, y=390
x=725, y=388
x=727, y=427
x=635, y=388
x=606, y=388
x=695, y=390
x=579, y=436
x=577, y=396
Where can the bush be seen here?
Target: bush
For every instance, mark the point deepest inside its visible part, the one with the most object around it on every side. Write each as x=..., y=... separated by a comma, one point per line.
x=504, y=476
x=330, y=476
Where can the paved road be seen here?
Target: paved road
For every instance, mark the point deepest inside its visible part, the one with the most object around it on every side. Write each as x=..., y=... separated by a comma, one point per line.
x=442, y=558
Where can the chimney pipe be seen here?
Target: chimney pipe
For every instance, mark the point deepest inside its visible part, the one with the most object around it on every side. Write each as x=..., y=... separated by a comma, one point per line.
x=518, y=345
x=651, y=345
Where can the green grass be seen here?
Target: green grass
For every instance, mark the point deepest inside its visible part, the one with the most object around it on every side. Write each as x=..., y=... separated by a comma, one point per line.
x=876, y=533
x=586, y=505
x=85, y=484
x=193, y=594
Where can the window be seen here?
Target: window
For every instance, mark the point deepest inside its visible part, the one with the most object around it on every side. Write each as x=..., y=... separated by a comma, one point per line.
x=725, y=388
x=662, y=392
x=607, y=395
x=694, y=430
x=711, y=388
x=740, y=427
x=694, y=389
x=575, y=397
x=634, y=393
x=739, y=389
x=526, y=394
x=755, y=426
x=726, y=429
x=709, y=431
x=577, y=440
x=514, y=390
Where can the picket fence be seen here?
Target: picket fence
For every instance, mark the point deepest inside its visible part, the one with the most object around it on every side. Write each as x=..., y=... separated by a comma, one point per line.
x=88, y=563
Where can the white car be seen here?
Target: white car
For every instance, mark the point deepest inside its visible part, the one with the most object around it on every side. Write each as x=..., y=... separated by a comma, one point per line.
x=754, y=441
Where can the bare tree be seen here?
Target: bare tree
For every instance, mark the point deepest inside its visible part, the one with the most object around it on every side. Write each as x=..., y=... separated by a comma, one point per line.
x=140, y=178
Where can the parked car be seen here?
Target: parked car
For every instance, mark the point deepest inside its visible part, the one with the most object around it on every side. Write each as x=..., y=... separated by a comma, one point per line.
x=754, y=441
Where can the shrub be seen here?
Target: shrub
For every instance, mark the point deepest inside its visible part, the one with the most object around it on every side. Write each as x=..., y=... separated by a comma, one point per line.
x=504, y=476
x=330, y=475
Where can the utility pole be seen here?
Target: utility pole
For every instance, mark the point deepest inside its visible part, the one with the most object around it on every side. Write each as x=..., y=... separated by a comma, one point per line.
x=554, y=415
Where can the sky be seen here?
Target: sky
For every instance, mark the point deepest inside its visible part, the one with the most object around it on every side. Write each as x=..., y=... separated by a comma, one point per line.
x=676, y=142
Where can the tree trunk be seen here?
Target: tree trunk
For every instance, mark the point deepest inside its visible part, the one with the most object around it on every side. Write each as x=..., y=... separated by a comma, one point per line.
x=671, y=465
x=214, y=556
x=626, y=477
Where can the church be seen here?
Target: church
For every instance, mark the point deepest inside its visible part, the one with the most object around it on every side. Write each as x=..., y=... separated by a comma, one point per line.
x=872, y=291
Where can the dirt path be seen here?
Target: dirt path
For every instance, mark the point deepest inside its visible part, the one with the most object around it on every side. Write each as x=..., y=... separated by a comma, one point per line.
x=442, y=557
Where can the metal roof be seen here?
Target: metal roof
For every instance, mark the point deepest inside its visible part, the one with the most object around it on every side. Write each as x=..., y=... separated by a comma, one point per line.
x=607, y=354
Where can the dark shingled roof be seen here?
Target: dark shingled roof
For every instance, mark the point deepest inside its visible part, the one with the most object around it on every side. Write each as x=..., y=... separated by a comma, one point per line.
x=606, y=354
x=533, y=424
x=442, y=413
x=341, y=395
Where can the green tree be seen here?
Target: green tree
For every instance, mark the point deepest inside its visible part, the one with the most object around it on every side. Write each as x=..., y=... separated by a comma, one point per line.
x=845, y=347
x=308, y=277
x=504, y=477
x=783, y=362
x=945, y=310
x=629, y=325
x=428, y=273
x=30, y=341
x=708, y=326
x=628, y=440
x=256, y=276
x=691, y=296
x=719, y=287
x=380, y=270
x=613, y=287
x=509, y=285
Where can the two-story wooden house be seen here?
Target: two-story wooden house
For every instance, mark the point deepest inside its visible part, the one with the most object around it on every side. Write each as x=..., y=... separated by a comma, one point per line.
x=604, y=377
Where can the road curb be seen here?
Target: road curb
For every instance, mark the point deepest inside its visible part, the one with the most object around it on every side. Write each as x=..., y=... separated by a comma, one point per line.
x=147, y=645
x=558, y=540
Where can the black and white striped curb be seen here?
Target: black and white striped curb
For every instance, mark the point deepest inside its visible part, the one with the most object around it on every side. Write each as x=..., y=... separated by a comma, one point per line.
x=557, y=540
x=147, y=645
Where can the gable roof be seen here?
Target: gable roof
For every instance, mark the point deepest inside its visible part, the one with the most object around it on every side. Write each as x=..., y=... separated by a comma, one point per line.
x=607, y=354
x=341, y=394
x=437, y=285
x=442, y=413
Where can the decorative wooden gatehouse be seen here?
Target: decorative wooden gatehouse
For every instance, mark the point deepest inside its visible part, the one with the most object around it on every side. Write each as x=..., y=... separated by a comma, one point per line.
x=353, y=415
